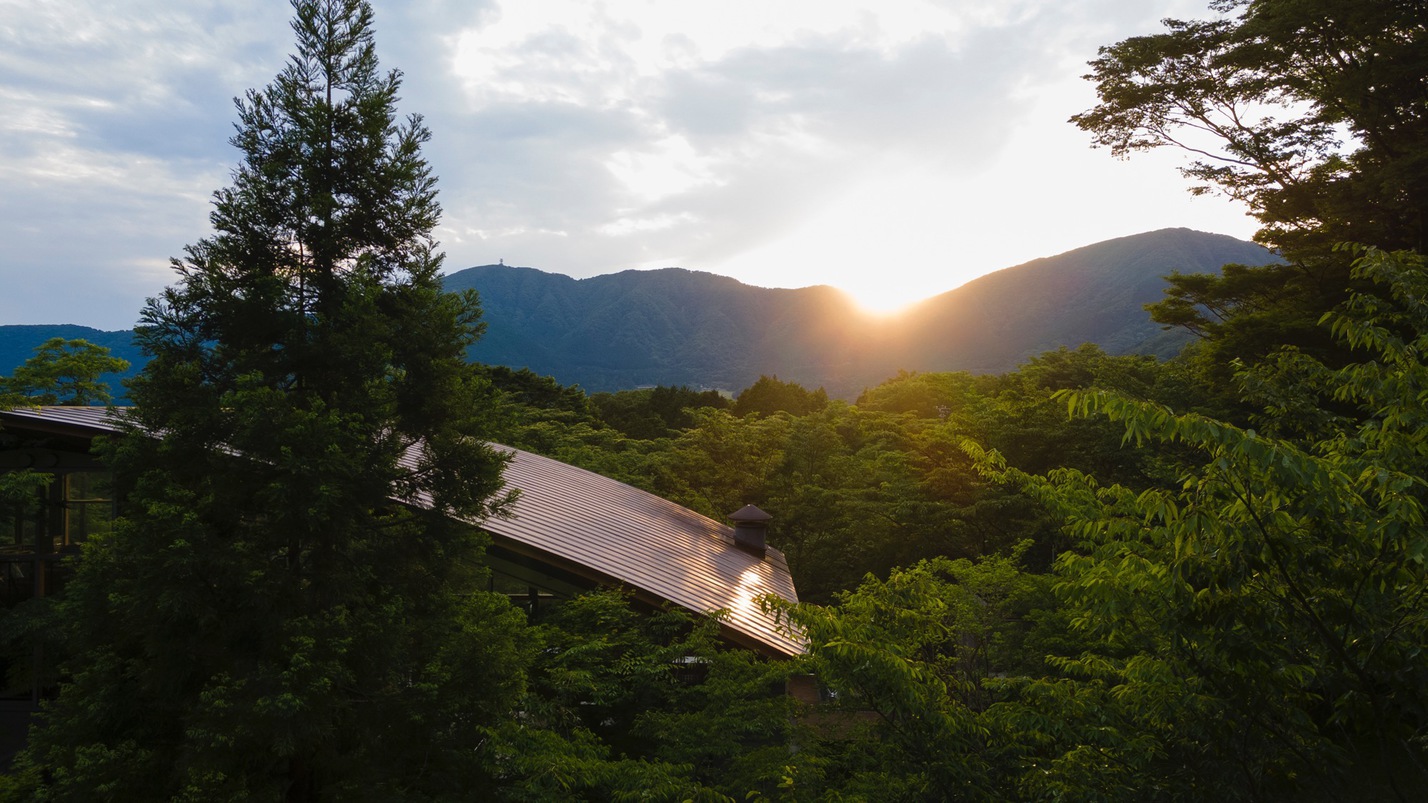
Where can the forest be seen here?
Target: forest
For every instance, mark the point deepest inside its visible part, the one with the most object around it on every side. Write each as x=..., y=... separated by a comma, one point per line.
x=1099, y=578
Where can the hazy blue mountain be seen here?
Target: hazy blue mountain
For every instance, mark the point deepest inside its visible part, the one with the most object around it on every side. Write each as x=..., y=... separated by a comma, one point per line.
x=670, y=326
x=682, y=327
x=17, y=344
x=676, y=326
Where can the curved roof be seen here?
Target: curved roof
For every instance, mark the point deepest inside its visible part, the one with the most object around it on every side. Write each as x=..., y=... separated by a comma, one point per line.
x=597, y=527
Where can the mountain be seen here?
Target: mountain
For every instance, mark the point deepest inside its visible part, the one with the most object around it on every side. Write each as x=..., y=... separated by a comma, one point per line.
x=669, y=326
x=675, y=326
x=18, y=343
x=1096, y=294
x=682, y=327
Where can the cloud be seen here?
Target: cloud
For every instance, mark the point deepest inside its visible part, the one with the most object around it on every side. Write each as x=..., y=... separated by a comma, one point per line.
x=114, y=130
x=708, y=158
x=572, y=136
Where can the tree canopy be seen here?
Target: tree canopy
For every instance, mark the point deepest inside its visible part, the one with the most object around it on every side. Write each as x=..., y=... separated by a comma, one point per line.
x=66, y=372
x=771, y=395
x=1313, y=113
x=289, y=607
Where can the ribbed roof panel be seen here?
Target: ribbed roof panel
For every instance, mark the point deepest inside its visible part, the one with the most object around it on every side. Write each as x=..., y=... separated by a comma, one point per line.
x=613, y=530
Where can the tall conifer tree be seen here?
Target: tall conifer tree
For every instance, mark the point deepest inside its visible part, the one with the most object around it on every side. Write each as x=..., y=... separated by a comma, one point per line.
x=288, y=609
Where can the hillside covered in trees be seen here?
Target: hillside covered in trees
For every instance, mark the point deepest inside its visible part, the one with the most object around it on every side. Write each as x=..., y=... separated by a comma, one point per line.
x=678, y=327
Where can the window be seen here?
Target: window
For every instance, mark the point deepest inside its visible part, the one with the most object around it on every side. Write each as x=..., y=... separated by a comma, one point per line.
x=47, y=516
x=88, y=506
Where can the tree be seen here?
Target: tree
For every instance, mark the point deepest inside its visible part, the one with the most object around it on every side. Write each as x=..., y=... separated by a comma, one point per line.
x=722, y=463
x=289, y=607
x=770, y=395
x=624, y=704
x=943, y=395
x=657, y=412
x=530, y=391
x=913, y=662
x=62, y=372
x=65, y=372
x=1311, y=112
x=1257, y=632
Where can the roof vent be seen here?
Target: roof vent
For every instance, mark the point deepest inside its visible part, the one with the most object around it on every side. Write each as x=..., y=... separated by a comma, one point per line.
x=749, y=526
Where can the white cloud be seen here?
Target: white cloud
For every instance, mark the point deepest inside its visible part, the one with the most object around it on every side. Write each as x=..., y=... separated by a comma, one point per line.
x=783, y=143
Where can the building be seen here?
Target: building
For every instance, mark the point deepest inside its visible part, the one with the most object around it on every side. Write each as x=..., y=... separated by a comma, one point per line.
x=570, y=530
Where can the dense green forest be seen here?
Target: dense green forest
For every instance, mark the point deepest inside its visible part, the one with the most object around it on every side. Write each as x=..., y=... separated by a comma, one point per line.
x=1095, y=577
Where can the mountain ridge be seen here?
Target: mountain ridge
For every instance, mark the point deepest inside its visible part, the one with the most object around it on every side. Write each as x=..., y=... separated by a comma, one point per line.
x=677, y=326
x=727, y=333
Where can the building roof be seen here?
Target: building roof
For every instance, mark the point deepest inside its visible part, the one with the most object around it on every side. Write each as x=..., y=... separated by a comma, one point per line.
x=593, y=526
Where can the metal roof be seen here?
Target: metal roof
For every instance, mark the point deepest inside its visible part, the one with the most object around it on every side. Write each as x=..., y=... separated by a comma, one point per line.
x=605, y=530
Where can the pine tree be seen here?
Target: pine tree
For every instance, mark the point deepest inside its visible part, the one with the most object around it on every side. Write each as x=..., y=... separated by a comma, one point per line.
x=289, y=608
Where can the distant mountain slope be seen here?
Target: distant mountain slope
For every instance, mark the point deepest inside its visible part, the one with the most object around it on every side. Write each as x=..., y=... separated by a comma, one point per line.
x=669, y=326
x=17, y=344
x=682, y=327
x=676, y=326
x=1096, y=294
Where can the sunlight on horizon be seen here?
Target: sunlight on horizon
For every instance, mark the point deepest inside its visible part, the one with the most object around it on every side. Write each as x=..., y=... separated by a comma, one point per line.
x=872, y=243
x=900, y=225
x=878, y=306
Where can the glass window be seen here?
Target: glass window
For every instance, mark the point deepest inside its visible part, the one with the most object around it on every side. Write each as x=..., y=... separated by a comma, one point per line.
x=22, y=505
x=89, y=506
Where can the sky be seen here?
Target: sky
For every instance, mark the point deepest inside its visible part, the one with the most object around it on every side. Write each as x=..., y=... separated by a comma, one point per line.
x=894, y=149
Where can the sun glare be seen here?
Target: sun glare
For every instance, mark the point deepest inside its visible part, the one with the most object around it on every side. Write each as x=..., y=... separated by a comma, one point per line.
x=886, y=244
x=879, y=306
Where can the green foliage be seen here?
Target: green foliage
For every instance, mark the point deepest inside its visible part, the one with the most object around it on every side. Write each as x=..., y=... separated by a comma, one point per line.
x=1259, y=610
x=723, y=462
x=1264, y=621
x=657, y=412
x=1022, y=420
x=769, y=395
x=62, y=372
x=1310, y=112
x=912, y=662
x=265, y=621
x=538, y=414
x=19, y=342
x=849, y=492
x=925, y=395
x=885, y=483
x=1245, y=314
x=530, y=391
x=626, y=704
